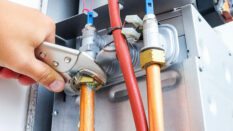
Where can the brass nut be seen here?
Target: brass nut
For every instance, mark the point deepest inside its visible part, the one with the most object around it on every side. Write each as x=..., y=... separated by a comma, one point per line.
x=86, y=79
x=152, y=56
x=80, y=79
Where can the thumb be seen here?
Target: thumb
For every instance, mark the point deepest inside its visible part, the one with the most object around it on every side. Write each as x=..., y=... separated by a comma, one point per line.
x=45, y=75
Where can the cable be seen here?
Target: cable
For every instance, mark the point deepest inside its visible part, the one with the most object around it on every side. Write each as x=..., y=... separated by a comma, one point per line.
x=92, y=5
x=85, y=7
x=154, y=96
x=87, y=103
x=127, y=68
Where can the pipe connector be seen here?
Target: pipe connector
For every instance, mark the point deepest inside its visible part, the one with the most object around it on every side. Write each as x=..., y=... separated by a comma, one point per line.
x=152, y=56
x=151, y=33
x=153, y=50
x=88, y=41
x=90, y=82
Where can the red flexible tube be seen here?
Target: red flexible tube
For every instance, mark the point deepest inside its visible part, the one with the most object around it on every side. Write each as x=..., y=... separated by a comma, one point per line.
x=127, y=68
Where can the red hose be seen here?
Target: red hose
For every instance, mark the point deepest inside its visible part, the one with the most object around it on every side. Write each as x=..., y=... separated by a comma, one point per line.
x=124, y=58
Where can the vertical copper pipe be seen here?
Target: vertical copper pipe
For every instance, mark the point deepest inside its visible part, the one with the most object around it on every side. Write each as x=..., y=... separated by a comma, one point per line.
x=87, y=109
x=154, y=96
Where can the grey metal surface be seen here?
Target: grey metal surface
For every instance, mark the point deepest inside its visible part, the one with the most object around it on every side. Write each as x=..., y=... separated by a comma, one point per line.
x=168, y=37
x=89, y=45
x=31, y=110
x=151, y=33
x=77, y=20
x=44, y=108
x=209, y=88
x=65, y=113
x=115, y=115
x=61, y=9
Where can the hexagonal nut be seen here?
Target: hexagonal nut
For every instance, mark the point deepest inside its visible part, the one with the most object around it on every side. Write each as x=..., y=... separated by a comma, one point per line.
x=152, y=56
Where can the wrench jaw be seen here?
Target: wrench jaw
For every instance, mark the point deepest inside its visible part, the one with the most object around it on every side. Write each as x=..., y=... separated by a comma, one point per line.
x=87, y=65
x=70, y=62
x=73, y=85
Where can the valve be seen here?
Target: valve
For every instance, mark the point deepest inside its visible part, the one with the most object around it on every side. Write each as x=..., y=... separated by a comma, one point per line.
x=153, y=50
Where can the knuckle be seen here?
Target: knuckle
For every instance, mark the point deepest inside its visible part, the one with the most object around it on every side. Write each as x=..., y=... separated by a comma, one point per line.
x=50, y=23
x=45, y=78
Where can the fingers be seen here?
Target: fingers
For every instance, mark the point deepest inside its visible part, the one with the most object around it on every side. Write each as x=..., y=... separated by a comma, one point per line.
x=24, y=80
x=8, y=74
x=45, y=75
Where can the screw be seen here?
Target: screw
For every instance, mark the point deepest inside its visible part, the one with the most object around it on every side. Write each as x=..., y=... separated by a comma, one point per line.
x=229, y=53
x=42, y=54
x=28, y=126
x=55, y=113
x=200, y=69
x=67, y=59
x=55, y=63
x=199, y=19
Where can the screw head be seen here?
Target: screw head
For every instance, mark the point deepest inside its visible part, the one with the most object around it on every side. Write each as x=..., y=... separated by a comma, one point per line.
x=199, y=19
x=67, y=59
x=200, y=69
x=55, y=63
x=28, y=126
x=229, y=53
x=42, y=54
x=55, y=113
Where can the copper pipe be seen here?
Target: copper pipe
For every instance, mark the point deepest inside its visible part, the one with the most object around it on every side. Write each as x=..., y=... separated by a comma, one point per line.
x=87, y=109
x=154, y=96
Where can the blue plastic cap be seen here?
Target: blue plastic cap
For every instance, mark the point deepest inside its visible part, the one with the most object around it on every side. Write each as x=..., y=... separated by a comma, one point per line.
x=90, y=17
x=149, y=7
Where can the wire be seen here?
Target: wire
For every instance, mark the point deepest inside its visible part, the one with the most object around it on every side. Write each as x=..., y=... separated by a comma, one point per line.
x=85, y=7
x=109, y=43
x=125, y=61
x=92, y=5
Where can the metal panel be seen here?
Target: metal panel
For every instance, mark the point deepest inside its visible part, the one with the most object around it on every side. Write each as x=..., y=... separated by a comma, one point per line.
x=116, y=115
x=78, y=21
x=61, y=9
x=210, y=85
x=44, y=108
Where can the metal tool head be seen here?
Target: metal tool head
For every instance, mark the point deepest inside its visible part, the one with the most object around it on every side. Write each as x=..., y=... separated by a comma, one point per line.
x=66, y=60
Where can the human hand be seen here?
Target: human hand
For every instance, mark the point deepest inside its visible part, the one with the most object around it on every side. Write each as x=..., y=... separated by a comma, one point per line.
x=22, y=30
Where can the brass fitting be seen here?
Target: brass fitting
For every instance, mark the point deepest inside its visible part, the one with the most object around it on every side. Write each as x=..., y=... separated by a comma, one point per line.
x=152, y=56
x=91, y=82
